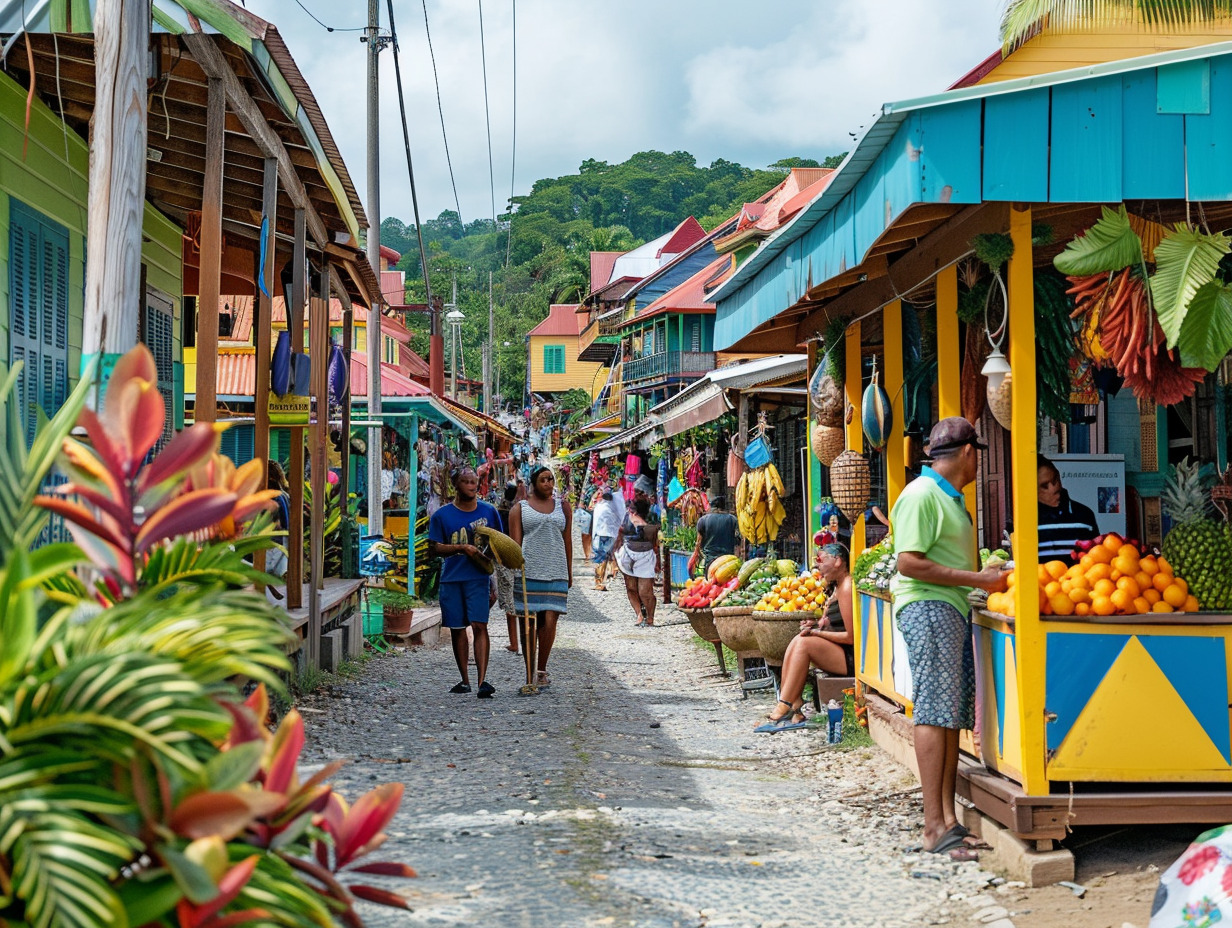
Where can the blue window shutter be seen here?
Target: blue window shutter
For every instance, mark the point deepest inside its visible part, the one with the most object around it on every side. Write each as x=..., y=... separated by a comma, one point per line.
x=159, y=327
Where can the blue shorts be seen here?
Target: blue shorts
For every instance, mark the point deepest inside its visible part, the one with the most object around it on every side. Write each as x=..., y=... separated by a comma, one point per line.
x=942, y=660
x=602, y=547
x=464, y=602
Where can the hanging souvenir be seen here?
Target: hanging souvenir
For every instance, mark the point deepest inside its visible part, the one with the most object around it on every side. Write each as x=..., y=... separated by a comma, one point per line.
x=826, y=394
x=851, y=483
x=876, y=415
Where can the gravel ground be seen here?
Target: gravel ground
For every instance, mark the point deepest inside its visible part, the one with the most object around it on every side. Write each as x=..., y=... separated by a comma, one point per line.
x=633, y=792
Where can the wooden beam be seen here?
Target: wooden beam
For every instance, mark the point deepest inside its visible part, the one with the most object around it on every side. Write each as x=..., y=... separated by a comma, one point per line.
x=116, y=203
x=212, y=62
x=295, y=331
x=205, y=407
x=936, y=250
x=261, y=333
x=892, y=352
x=318, y=339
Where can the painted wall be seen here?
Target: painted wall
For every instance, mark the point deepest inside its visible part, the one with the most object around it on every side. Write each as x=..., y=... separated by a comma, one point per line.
x=584, y=375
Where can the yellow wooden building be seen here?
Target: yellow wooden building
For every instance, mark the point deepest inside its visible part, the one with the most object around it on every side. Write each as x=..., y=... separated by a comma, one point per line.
x=553, y=363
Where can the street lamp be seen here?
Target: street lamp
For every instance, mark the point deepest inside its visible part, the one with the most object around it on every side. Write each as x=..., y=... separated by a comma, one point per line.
x=454, y=317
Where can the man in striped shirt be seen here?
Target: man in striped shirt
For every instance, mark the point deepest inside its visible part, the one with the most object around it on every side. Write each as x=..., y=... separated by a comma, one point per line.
x=1062, y=521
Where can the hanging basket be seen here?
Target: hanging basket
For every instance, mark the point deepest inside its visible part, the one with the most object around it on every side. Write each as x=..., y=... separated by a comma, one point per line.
x=827, y=442
x=850, y=484
x=827, y=397
x=999, y=403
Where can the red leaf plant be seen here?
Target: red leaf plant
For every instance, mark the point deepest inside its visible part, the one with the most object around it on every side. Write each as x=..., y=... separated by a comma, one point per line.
x=126, y=507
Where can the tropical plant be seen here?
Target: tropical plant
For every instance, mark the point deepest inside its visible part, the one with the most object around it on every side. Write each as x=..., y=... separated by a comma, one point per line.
x=135, y=787
x=1185, y=261
x=393, y=599
x=1109, y=245
x=1025, y=18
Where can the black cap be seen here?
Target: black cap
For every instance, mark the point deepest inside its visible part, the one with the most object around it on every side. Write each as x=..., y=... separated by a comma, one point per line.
x=950, y=435
x=606, y=493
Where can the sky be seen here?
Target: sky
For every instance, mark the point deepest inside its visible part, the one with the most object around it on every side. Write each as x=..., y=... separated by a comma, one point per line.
x=603, y=79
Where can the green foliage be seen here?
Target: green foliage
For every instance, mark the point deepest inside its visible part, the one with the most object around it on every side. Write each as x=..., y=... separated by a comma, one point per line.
x=393, y=599
x=1109, y=245
x=1024, y=18
x=993, y=249
x=1206, y=335
x=1185, y=261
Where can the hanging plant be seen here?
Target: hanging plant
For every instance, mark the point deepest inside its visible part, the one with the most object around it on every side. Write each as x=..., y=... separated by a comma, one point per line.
x=836, y=357
x=972, y=291
x=993, y=249
x=1185, y=261
x=1109, y=245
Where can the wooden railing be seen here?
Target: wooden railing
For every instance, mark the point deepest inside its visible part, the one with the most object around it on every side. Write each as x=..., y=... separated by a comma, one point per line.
x=669, y=364
x=607, y=329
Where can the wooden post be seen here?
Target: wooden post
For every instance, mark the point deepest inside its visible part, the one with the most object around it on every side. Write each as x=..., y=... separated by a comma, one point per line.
x=896, y=468
x=295, y=330
x=261, y=328
x=412, y=504
x=113, y=295
x=205, y=407
x=348, y=330
x=1028, y=631
x=855, y=429
x=949, y=359
x=318, y=340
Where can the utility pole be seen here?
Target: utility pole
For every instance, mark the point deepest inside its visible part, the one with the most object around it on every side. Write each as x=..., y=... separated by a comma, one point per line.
x=487, y=367
x=453, y=342
x=375, y=44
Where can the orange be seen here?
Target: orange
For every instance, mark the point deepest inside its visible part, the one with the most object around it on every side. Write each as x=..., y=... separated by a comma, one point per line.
x=1075, y=571
x=1100, y=555
x=1181, y=582
x=1161, y=607
x=1151, y=596
x=1056, y=569
x=1142, y=578
x=1042, y=574
x=1012, y=578
x=1103, y=588
x=1125, y=565
x=1113, y=542
x=1085, y=561
x=1191, y=604
x=1079, y=594
x=1149, y=565
x=1082, y=609
x=1115, y=576
x=1099, y=572
x=1102, y=605
x=1052, y=589
x=1082, y=583
x=1141, y=605
x=1123, y=601
x=1161, y=581
x=1164, y=565
x=1067, y=585
x=1130, y=585
x=1174, y=596
x=1062, y=605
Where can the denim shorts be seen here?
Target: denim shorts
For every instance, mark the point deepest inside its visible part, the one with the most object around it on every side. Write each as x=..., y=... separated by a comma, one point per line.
x=464, y=602
x=601, y=547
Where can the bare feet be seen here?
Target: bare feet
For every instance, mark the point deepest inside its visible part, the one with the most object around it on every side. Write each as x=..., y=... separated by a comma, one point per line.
x=511, y=648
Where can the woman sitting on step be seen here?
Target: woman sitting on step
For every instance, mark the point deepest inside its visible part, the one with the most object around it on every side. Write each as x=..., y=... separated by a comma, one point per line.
x=827, y=643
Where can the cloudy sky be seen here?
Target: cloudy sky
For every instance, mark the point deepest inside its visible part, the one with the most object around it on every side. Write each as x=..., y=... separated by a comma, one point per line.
x=747, y=82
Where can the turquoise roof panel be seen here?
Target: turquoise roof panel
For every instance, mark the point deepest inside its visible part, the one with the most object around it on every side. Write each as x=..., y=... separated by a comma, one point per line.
x=1016, y=147
x=1087, y=141
x=1208, y=139
x=1155, y=171
x=950, y=158
x=1184, y=88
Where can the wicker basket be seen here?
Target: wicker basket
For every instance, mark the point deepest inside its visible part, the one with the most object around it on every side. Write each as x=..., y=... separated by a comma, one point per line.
x=774, y=632
x=734, y=625
x=850, y=484
x=999, y=403
x=702, y=621
x=828, y=442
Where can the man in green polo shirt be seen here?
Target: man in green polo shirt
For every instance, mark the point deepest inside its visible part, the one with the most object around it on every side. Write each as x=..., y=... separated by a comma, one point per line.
x=935, y=543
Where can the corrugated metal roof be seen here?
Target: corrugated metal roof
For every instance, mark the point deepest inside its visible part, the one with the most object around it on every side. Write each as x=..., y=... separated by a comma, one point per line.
x=562, y=320
x=687, y=297
x=746, y=374
x=601, y=264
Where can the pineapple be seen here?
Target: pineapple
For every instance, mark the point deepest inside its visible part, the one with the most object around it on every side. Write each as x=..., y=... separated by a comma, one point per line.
x=1197, y=548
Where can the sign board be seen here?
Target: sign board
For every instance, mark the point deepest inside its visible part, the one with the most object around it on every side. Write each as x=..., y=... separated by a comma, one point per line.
x=1098, y=481
x=289, y=409
x=375, y=556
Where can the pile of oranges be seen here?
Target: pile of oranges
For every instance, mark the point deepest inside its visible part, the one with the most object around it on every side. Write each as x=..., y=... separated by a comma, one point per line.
x=1112, y=578
x=795, y=594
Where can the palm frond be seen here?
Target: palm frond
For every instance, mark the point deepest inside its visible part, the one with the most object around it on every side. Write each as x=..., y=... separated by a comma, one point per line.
x=1024, y=19
x=1184, y=261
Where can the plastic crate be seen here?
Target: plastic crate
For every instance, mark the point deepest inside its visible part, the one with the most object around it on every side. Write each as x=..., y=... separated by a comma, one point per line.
x=678, y=564
x=374, y=618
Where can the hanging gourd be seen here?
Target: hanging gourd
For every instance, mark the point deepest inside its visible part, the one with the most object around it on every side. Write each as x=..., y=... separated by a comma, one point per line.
x=876, y=414
x=827, y=442
x=826, y=394
x=850, y=483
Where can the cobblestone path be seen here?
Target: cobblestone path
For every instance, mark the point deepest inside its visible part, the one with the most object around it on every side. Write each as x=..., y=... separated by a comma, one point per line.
x=632, y=793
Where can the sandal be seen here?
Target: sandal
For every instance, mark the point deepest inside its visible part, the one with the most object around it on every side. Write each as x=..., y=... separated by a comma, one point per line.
x=954, y=846
x=791, y=720
x=542, y=680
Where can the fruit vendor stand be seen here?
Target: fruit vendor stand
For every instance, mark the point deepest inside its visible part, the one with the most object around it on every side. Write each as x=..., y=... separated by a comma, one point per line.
x=1119, y=178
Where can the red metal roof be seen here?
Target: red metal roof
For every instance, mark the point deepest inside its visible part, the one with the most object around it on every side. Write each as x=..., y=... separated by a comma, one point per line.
x=601, y=263
x=393, y=381
x=390, y=255
x=393, y=286
x=979, y=72
x=562, y=320
x=237, y=375
x=689, y=232
x=412, y=364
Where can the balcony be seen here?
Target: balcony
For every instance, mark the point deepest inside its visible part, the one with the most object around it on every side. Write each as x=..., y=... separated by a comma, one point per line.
x=600, y=339
x=667, y=364
x=615, y=400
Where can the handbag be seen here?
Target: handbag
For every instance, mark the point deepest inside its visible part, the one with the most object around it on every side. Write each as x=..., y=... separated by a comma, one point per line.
x=585, y=519
x=633, y=466
x=757, y=454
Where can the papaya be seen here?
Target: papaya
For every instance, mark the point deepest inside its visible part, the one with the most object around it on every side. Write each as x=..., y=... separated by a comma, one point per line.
x=748, y=569
x=787, y=568
x=725, y=568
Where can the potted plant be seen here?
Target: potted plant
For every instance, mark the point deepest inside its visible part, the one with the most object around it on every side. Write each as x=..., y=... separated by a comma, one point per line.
x=398, y=607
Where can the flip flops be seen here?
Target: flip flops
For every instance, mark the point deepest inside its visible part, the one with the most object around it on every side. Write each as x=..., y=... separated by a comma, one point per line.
x=783, y=724
x=953, y=845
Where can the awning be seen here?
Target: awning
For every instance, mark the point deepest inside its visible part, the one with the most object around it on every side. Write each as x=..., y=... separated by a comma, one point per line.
x=704, y=401
x=742, y=375
x=478, y=421
x=640, y=436
x=609, y=424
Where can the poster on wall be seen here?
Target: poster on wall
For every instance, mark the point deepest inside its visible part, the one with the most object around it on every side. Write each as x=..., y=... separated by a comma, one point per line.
x=1098, y=481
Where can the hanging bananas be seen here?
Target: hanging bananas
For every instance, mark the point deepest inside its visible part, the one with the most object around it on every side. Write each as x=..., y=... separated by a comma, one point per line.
x=759, y=505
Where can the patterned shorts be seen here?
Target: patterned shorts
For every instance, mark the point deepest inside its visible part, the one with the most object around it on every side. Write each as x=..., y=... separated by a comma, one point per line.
x=942, y=661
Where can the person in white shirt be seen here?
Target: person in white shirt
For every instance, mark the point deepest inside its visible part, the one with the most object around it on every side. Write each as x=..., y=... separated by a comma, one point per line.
x=603, y=531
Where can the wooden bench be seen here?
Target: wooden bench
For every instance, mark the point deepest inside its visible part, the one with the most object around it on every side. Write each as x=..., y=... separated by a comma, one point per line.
x=827, y=687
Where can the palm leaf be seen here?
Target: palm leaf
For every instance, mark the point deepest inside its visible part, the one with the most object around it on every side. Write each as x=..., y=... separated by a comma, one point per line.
x=1109, y=245
x=1025, y=18
x=1206, y=334
x=1184, y=262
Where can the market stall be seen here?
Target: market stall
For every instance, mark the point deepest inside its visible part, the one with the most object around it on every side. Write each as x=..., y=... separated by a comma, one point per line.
x=1107, y=707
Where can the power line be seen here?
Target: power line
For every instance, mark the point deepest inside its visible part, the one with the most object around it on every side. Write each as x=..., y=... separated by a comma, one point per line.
x=440, y=109
x=486, y=117
x=300, y=4
x=513, y=158
x=410, y=168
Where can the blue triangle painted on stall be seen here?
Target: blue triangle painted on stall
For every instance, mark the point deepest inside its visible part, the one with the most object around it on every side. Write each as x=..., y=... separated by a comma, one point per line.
x=1076, y=665
x=1196, y=666
x=997, y=647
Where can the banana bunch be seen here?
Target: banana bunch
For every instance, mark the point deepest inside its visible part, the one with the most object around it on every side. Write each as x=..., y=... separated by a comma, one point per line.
x=759, y=507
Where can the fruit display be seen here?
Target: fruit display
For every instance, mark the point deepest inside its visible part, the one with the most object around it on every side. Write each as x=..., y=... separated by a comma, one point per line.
x=875, y=566
x=723, y=568
x=756, y=578
x=805, y=593
x=1111, y=578
x=1198, y=547
x=759, y=509
x=702, y=593
x=692, y=504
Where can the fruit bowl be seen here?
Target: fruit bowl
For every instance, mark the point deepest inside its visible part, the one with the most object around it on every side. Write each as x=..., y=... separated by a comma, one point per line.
x=774, y=631
x=702, y=621
x=734, y=625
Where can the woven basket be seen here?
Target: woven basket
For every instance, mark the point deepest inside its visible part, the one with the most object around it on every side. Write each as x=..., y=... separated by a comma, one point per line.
x=734, y=625
x=999, y=403
x=850, y=484
x=828, y=442
x=702, y=621
x=774, y=632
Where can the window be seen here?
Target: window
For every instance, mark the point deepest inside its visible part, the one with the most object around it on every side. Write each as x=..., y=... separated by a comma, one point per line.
x=695, y=335
x=38, y=311
x=156, y=331
x=553, y=359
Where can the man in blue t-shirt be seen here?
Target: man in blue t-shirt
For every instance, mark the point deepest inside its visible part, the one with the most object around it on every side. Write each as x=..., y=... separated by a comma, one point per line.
x=465, y=578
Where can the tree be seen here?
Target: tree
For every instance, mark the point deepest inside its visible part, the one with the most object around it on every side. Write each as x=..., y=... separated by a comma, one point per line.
x=1026, y=18
x=788, y=163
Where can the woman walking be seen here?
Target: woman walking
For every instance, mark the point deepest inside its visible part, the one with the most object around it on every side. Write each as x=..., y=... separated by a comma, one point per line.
x=637, y=546
x=543, y=525
x=504, y=575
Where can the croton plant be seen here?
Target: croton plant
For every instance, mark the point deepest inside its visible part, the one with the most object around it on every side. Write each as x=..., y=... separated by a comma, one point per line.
x=137, y=786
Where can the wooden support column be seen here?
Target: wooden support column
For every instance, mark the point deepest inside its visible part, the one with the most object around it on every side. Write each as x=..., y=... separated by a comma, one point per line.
x=855, y=430
x=295, y=329
x=205, y=407
x=113, y=296
x=262, y=329
x=318, y=342
x=412, y=505
x=348, y=330
x=949, y=358
x=896, y=469
x=1028, y=631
